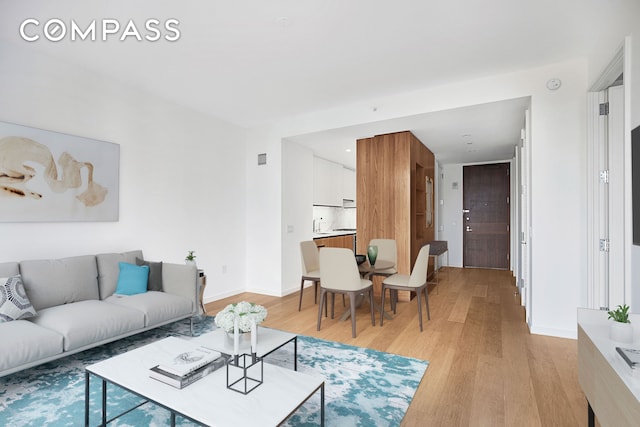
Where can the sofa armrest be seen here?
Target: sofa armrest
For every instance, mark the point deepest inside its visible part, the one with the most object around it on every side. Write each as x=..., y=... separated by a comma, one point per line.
x=182, y=280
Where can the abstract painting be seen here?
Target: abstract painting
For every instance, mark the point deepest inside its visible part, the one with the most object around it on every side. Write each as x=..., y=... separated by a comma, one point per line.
x=51, y=176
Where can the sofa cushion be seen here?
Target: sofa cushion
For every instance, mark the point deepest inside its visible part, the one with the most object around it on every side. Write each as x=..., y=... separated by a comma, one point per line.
x=9, y=269
x=24, y=342
x=155, y=274
x=55, y=282
x=14, y=303
x=158, y=307
x=132, y=279
x=87, y=323
x=108, y=270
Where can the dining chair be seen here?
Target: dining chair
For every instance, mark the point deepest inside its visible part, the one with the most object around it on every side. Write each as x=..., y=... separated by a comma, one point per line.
x=339, y=275
x=387, y=251
x=310, y=268
x=416, y=282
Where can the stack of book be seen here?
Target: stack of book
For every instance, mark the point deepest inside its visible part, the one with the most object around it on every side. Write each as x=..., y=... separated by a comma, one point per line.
x=632, y=357
x=188, y=363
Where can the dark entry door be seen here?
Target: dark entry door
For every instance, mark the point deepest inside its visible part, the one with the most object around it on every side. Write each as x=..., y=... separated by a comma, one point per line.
x=486, y=216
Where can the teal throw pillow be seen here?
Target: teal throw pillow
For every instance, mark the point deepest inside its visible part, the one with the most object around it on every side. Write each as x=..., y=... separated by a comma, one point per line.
x=132, y=279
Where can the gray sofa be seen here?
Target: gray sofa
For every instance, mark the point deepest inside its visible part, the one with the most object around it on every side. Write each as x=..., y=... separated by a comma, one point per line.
x=76, y=307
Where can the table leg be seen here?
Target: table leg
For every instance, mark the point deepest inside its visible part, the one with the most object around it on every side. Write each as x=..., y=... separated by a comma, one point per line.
x=104, y=403
x=173, y=419
x=347, y=312
x=295, y=353
x=86, y=399
x=376, y=308
x=591, y=416
x=322, y=405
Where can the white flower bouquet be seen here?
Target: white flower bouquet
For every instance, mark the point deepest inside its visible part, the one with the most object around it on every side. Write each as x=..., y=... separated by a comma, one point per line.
x=245, y=311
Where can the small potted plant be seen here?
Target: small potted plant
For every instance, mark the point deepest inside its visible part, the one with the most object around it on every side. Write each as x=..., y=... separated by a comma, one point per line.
x=191, y=257
x=621, y=329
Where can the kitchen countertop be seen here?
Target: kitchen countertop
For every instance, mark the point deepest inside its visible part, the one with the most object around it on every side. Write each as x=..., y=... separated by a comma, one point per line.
x=333, y=233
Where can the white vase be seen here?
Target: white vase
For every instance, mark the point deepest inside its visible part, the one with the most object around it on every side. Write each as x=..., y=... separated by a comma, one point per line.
x=244, y=341
x=621, y=332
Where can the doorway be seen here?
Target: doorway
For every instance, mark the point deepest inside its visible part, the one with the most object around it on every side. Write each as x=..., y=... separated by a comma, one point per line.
x=486, y=216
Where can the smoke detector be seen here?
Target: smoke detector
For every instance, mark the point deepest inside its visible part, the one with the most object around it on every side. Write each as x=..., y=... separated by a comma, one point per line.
x=554, y=84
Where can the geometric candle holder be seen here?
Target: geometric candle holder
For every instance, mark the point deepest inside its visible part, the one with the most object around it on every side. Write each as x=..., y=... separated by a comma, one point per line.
x=244, y=373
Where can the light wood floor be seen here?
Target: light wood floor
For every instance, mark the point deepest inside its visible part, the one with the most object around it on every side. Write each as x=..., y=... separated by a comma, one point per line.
x=485, y=368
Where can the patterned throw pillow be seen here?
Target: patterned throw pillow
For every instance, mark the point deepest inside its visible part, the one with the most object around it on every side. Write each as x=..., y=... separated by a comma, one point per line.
x=14, y=304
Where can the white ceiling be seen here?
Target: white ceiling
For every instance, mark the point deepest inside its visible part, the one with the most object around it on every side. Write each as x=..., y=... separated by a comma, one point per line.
x=479, y=133
x=252, y=62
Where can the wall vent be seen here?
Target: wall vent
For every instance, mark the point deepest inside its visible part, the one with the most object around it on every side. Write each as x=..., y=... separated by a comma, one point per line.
x=262, y=159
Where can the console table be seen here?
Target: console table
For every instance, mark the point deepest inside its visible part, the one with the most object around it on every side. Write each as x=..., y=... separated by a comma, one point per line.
x=611, y=389
x=437, y=248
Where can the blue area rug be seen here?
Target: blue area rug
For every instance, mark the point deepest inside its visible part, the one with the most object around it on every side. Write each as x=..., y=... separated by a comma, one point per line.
x=363, y=387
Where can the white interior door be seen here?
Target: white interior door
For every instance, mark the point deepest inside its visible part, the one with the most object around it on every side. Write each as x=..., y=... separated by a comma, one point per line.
x=606, y=190
x=616, y=202
x=524, y=213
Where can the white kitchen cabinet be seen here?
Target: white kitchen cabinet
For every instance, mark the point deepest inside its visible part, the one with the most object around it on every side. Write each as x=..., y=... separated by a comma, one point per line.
x=349, y=185
x=327, y=183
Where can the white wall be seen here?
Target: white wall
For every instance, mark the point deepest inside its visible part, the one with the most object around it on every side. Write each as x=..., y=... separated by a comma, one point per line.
x=451, y=175
x=182, y=174
x=297, y=211
x=558, y=188
x=264, y=212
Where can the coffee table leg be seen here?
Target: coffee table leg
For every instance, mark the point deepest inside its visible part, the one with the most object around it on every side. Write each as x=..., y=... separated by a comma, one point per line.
x=86, y=399
x=104, y=403
x=322, y=405
x=295, y=353
x=173, y=419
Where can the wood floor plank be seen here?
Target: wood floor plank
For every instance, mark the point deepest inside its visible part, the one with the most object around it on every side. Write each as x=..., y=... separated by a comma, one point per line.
x=551, y=397
x=485, y=368
x=461, y=308
x=487, y=403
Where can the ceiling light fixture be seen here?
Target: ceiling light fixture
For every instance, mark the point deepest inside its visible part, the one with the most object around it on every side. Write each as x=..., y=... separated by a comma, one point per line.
x=284, y=22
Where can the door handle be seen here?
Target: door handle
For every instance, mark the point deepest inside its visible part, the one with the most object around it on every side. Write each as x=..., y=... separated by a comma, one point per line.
x=469, y=228
x=465, y=210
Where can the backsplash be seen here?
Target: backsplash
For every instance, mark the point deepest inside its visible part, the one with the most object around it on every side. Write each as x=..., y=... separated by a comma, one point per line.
x=332, y=218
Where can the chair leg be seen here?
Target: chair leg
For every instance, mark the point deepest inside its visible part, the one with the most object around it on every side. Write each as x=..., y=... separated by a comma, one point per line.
x=325, y=306
x=426, y=299
x=352, y=300
x=419, y=298
x=315, y=292
x=393, y=295
x=373, y=315
x=333, y=303
x=322, y=302
x=301, y=290
x=384, y=289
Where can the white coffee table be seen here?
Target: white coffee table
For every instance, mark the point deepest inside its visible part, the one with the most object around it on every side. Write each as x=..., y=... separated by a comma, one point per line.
x=269, y=340
x=207, y=401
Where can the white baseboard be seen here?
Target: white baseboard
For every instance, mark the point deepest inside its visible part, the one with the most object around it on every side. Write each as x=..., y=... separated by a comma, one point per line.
x=560, y=333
